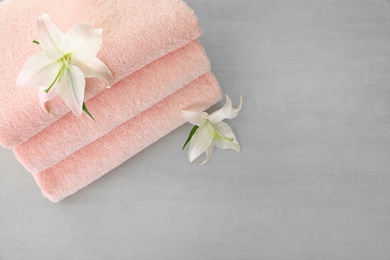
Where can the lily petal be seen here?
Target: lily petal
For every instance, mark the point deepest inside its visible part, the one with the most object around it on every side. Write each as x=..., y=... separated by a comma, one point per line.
x=235, y=111
x=195, y=118
x=36, y=69
x=55, y=55
x=209, y=153
x=224, y=130
x=72, y=88
x=85, y=41
x=93, y=67
x=49, y=36
x=45, y=97
x=199, y=143
x=223, y=113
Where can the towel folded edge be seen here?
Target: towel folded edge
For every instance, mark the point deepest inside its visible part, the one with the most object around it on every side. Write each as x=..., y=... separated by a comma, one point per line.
x=66, y=178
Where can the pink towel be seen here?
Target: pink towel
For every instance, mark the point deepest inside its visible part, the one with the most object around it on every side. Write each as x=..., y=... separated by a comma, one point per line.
x=136, y=33
x=113, y=107
x=151, y=48
x=96, y=159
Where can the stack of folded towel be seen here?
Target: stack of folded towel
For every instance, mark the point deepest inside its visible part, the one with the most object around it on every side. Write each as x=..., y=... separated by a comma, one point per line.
x=159, y=69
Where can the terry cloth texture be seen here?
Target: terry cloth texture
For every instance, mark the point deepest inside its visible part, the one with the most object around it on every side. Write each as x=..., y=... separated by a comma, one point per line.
x=96, y=159
x=136, y=33
x=159, y=68
x=113, y=107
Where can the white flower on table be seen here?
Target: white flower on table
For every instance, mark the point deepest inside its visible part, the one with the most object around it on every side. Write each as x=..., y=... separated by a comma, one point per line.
x=64, y=63
x=210, y=131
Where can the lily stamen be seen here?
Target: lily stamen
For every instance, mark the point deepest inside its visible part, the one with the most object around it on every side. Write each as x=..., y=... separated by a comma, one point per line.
x=58, y=78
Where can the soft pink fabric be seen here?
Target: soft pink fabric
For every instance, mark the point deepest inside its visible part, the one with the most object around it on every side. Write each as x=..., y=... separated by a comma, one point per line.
x=111, y=108
x=96, y=159
x=136, y=33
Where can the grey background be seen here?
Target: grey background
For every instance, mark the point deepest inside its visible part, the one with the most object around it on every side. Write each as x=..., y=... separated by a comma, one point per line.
x=312, y=181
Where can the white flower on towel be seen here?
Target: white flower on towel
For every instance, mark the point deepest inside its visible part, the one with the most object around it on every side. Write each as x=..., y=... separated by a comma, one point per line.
x=210, y=131
x=64, y=63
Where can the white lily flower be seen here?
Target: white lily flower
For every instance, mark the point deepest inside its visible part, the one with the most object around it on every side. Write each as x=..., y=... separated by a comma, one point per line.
x=210, y=131
x=64, y=63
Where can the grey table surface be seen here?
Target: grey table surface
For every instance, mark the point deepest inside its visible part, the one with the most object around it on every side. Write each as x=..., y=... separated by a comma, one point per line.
x=312, y=180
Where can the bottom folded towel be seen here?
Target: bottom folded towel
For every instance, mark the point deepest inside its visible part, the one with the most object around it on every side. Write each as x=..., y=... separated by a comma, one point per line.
x=103, y=155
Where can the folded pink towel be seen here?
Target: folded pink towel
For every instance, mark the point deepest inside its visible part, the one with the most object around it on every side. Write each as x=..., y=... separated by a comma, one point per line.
x=136, y=33
x=113, y=107
x=151, y=48
x=96, y=159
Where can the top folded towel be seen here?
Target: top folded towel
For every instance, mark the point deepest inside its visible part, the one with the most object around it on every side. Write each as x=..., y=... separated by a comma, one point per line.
x=136, y=33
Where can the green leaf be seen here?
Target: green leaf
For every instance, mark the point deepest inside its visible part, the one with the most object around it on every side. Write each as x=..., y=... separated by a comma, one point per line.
x=36, y=42
x=193, y=131
x=87, y=112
